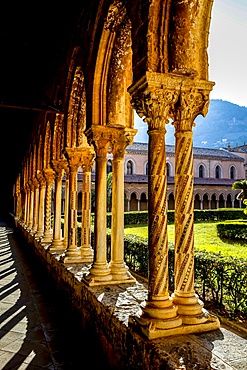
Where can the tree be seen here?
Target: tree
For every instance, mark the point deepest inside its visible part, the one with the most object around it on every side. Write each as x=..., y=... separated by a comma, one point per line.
x=109, y=191
x=241, y=185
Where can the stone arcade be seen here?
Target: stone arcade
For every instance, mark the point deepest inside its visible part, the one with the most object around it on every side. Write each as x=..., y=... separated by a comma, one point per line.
x=147, y=56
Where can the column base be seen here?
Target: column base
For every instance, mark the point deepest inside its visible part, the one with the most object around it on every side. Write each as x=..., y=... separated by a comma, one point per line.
x=99, y=274
x=87, y=254
x=56, y=246
x=154, y=329
x=72, y=255
x=190, y=309
x=47, y=239
x=120, y=272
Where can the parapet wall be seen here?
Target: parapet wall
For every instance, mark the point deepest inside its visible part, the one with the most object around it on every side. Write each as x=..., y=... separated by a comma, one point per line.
x=104, y=312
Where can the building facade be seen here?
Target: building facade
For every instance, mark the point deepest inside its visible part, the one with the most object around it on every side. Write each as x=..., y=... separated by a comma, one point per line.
x=215, y=170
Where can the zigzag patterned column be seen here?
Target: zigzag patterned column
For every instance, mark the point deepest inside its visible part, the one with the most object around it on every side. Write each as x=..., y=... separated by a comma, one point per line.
x=49, y=177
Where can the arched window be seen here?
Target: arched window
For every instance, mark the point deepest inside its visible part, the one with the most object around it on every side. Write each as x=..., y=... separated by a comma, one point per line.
x=201, y=171
x=129, y=168
x=168, y=169
x=109, y=166
x=217, y=172
x=146, y=169
x=232, y=173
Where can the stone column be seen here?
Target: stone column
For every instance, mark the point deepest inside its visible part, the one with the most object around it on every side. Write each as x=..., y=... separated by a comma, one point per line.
x=153, y=98
x=66, y=210
x=86, y=248
x=73, y=254
x=99, y=273
x=29, y=206
x=120, y=140
x=194, y=100
x=57, y=242
x=26, y=191
x=41, y=212
x=36, y=206
x=49, y=177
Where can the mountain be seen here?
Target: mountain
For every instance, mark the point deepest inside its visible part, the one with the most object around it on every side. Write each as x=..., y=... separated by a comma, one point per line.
x=225, y=123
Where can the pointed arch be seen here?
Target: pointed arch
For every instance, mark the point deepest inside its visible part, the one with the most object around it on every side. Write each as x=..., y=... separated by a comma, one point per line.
x=76, y=117
x=113, y=71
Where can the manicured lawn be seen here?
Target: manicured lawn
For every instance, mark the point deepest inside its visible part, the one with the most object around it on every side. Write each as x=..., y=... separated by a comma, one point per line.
x=205, y=238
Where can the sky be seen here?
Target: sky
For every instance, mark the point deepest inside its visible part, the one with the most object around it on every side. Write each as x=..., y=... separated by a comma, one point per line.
x=228, y=51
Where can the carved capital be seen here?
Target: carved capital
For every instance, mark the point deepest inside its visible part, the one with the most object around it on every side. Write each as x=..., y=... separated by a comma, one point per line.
x=59, y=166
x=154, y=97
x=40, y=178
x=48, y=175
x=99, y=137
x=193, y=100
x=75, y=156
x=120, y=139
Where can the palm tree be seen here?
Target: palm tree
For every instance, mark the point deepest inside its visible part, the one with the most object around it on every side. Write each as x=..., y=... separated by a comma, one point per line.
x=242, y=184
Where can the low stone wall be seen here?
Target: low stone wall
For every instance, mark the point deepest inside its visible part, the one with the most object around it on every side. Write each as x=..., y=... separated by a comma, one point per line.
x=104, y=312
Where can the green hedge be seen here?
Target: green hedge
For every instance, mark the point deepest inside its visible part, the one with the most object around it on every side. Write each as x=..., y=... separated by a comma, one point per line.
x=232, y=231
x=220, y=214
x=222, y=280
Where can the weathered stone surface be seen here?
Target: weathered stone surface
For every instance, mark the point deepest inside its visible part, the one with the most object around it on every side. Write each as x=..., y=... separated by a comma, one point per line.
x=105, y=313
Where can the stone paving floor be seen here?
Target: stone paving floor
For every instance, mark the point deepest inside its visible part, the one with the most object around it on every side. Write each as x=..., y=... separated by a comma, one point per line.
x=39, y=330
x=37, y=327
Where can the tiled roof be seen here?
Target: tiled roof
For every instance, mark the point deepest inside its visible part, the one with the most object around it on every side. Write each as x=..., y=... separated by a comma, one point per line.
x=197, y=152
x=170, y=180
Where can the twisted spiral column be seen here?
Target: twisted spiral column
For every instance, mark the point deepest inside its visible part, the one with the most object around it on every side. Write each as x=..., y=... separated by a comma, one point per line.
x=152, y=98
x=194, y=99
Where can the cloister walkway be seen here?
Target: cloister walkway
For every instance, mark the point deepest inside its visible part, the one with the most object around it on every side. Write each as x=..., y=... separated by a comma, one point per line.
x=38, y=328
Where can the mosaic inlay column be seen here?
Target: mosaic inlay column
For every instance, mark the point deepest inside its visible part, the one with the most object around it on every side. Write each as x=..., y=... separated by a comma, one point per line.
x=57, y=242
x=120, y=140
x=153, y=101
x=86, y=248
x=49, y=177
x=193, y=101
x=100, y=271
x=72, y=253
